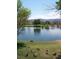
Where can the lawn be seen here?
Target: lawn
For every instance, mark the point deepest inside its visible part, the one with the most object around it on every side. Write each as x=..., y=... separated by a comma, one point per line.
x=39, y=50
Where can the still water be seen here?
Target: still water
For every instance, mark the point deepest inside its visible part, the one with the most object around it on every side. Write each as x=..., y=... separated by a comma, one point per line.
x=40, y=34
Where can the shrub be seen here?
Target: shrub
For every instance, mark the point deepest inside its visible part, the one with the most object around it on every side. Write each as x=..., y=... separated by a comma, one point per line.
x=31, y=41
x=20, y=45
x=38, y=49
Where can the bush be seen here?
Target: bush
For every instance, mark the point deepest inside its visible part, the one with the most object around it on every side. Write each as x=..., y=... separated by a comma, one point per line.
x=31, y=41
x=20, y=45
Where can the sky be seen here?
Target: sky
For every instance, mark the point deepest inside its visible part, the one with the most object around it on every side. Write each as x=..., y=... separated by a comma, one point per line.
x=39, y=9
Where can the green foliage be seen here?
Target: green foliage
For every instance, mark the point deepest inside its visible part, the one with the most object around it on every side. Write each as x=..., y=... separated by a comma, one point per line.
x=22, y=16
x=58, y=5
x=19, y=4
x=47, y=22
x=20, y=45
x=37, y=22
x=31, y=41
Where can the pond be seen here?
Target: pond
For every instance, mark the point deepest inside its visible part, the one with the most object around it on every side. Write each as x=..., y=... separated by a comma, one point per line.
x=40, y=34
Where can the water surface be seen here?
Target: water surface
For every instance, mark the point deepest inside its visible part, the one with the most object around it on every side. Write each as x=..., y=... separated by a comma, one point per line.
x=40, y=34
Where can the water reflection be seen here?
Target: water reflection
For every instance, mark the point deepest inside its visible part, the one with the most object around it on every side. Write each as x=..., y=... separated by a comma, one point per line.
x=47, y=28
x=37, y=31
x=20, y=31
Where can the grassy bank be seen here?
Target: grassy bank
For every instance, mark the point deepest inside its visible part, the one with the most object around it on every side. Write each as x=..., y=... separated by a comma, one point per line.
x=39, y=50
x=43, y=26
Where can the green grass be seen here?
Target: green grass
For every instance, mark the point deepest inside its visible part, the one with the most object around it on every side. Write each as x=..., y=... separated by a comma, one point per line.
x=39, y=25
x=39, y=50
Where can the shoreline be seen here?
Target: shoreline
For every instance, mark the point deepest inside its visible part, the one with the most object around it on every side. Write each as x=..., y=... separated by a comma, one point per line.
x=39, y=41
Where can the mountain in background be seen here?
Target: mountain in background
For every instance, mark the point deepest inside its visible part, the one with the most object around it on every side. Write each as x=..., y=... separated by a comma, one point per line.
x=50, y=20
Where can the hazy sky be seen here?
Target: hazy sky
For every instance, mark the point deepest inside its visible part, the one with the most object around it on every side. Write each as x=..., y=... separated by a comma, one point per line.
x=39, y=8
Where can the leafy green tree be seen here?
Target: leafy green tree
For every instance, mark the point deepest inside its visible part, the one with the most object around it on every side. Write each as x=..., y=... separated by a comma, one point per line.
x=58, y=5
x=22, y=16
x=19, y=5
x=47, y=22
x=37, y=22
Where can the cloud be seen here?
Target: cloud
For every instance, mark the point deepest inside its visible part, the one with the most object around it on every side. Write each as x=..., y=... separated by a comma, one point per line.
x=50, y=15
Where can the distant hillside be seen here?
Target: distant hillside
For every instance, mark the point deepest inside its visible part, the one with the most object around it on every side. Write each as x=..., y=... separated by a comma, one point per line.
x=53, y=20
x=50, y=20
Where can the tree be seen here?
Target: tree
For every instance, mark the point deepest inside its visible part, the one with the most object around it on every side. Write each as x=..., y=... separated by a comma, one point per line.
x=58, y=5
x=37, y=22
x=47, y=22
x=22, y=16
x=19, y=5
